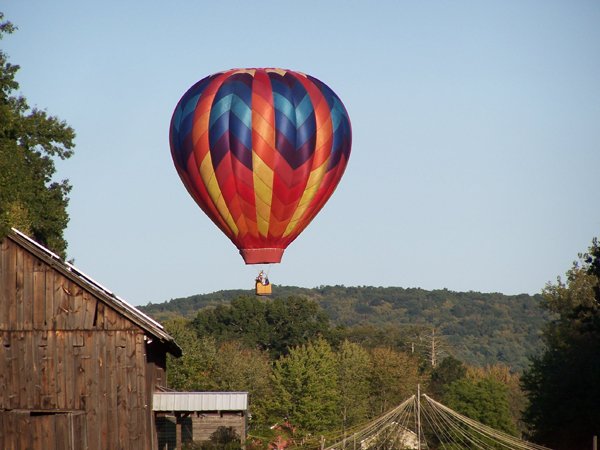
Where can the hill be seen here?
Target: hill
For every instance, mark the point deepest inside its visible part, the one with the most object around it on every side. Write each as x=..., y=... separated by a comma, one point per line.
x=478, y=328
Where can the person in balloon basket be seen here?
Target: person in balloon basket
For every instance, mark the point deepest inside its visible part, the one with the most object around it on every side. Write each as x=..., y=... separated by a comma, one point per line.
x=262, y=278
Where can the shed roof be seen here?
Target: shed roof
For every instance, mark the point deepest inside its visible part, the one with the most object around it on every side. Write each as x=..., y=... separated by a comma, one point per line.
x=200, y=401
x=144, y=321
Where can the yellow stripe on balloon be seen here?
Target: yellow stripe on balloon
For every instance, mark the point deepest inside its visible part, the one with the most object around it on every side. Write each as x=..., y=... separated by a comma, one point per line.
x=212, y=186
x=263, y=193
x=312, y=186
x=250, y=71
x=281, y=72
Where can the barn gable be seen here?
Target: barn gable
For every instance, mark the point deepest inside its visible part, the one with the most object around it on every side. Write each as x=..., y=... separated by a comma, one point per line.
x=78, y=365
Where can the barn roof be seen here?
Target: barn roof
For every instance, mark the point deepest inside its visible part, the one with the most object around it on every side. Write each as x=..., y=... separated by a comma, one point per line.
x=148, y=324
x=200, y=401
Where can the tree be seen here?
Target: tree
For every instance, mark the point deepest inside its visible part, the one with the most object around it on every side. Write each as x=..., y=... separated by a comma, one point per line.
x=517, y=401
x=29, y=140
x=562, y=383
x=447, y=372
x=393, y=378
x=484, y=400
x=295, y=321
x=193, y=370
x=306, y=387
x=353, y=383
x=243, y=320
x=274, y=326
x=242, y=369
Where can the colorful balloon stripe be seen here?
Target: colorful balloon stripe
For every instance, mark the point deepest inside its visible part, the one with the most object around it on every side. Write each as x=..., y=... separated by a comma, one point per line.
x=260, y=151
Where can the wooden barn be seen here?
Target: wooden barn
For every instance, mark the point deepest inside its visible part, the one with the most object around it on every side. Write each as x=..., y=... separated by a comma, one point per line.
x=78, y=365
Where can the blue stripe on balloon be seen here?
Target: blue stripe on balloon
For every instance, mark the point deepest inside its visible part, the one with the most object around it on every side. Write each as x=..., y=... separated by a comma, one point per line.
x=336, y=115
x=220, y=107
x=242, y=111
x=285, y=107
x=284, y=146
x=285, y=127
x=218, y=149
x=303, y=110
x=186, y=116
x=243, y=135
x=238, y=86
x=218, y=129
x=190, y=105
x=183, y=120
x=306, y=131
x=241, y=153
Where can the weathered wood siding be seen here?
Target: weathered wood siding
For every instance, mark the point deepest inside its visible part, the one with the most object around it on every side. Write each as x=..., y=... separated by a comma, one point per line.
x=197, y=427
x=69, y=363
x=204, y=425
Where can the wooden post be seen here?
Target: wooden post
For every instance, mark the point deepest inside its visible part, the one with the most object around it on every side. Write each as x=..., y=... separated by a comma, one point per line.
x=322, y=442
x=178, y=431
x=595, y=446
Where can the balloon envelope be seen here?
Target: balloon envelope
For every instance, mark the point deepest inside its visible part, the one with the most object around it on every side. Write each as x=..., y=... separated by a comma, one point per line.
x=260, y=151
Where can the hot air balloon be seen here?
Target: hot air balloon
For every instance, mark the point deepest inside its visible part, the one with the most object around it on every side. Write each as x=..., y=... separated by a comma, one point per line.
x=260, y=151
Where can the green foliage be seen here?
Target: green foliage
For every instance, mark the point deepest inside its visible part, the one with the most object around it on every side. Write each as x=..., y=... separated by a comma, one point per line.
x=484, y=400
x=306, y=387
x=562, y=383
x=393, y=378
x=318, y=386
x=447, y=372
x=29, y=140
x=193, y=370
x=480, y=328
x=242, y=369
x=353, y=383
x=273, y=326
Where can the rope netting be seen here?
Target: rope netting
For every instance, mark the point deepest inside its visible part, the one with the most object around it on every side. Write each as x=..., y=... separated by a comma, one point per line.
x=387, y=431
x=453, y=430
x=440, y=428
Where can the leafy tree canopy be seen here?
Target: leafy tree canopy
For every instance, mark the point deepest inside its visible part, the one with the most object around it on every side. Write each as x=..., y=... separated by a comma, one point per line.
x=480, y=328
x=29, y=140
x=484, y=400
x=447, y=372
x=354, y=365
x=306, y=386
x=562, y=383
x=193, y=370
x=274, y=326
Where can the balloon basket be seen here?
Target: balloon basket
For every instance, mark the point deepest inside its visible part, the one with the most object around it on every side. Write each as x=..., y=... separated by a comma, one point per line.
x=263, y=289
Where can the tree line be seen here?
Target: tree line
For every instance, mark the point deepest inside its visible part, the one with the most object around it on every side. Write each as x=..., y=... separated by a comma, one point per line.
x=482, y=328
x=301, y=370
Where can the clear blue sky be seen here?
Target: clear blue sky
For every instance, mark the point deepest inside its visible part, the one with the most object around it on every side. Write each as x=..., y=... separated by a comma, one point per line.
x=476, y=156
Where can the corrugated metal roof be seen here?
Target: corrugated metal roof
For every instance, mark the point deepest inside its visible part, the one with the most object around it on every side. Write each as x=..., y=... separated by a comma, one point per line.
x=130, y=311
x=200, y=401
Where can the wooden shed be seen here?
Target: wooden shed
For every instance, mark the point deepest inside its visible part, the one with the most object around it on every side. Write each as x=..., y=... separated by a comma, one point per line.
x=194, y=417
x=78, y=365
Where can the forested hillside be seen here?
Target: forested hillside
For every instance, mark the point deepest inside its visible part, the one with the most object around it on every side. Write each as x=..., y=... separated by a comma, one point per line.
x=474, y=327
